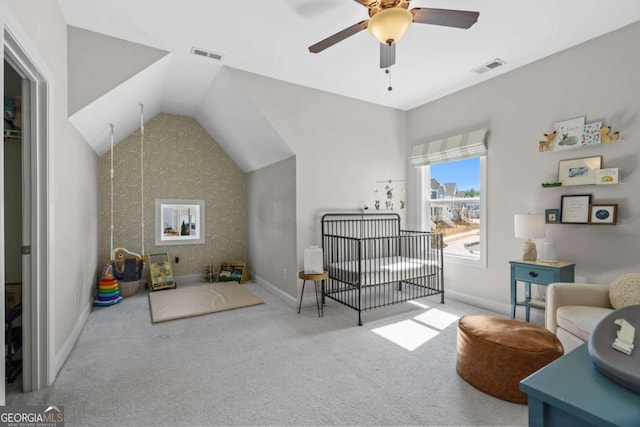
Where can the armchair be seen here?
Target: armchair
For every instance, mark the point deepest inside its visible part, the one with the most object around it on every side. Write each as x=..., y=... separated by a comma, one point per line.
x=574, y=309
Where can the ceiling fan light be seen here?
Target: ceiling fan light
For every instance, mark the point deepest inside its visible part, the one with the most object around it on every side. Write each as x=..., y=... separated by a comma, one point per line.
x=389, y=25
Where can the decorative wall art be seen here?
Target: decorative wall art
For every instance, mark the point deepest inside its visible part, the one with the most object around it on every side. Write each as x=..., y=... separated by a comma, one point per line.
x=579, y=171
x=591, y=134
x=607, y=176
x=603, y=214
x=569, y=134
x=179, y=222
x=575, y=209
x=552, y=216
x=546, y=144
x=605, y=137
x=574, y=133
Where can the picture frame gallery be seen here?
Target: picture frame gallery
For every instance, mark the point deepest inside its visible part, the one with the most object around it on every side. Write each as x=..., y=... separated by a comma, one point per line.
x=578, y=209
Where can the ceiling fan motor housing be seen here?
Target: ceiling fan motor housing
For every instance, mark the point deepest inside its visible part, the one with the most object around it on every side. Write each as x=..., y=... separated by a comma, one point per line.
x=379, y=5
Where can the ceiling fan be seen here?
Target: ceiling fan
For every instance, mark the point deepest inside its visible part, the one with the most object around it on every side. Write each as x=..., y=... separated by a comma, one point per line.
x=389, y=19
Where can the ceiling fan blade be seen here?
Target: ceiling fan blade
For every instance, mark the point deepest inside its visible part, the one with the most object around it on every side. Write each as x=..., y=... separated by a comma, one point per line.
x=338, y=37
x=387, y=55
x=445, y=17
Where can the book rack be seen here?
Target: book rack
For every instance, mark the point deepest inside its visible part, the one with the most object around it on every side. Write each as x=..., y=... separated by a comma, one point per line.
x=231, y=270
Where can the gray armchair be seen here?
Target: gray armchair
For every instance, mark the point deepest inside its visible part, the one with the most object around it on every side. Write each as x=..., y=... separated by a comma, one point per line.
x=574, y=309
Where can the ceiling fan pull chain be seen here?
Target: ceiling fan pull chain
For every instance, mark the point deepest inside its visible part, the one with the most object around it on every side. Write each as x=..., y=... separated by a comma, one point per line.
x=390, y=88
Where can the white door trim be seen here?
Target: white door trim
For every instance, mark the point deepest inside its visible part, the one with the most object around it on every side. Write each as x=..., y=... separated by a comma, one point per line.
x=37, y=314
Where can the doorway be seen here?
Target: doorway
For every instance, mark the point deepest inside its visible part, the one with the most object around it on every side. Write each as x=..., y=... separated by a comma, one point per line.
x=14, y=194
x=29, y=254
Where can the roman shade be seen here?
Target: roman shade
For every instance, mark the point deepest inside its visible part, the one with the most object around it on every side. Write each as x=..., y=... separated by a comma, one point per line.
x=457, y=147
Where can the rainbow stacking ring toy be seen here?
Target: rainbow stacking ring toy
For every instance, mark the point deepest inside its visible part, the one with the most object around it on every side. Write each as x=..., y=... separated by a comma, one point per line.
x=108, y=292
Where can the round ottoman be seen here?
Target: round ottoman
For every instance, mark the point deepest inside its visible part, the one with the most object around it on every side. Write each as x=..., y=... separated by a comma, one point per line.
x=495, y=353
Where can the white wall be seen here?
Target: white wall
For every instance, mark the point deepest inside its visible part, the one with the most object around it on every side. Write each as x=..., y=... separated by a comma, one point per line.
x=599, y=80
x=271, y=225
x=97, y=63
x=74, y=198
x=235, y=123
x=342, y=147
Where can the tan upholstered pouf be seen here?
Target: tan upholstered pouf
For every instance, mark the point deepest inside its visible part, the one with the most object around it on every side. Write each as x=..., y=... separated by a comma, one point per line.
x=495, y=353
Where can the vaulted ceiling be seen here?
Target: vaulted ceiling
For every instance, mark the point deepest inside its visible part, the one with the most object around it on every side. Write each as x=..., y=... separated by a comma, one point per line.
x=151, y=62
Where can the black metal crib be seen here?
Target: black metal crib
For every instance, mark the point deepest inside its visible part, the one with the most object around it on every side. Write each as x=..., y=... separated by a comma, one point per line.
x=373, y=263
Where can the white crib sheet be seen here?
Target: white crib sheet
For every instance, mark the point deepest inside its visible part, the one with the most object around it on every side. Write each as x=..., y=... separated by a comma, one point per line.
x=382, y=270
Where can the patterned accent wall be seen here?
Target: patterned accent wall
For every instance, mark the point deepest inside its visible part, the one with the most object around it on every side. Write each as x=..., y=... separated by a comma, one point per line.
x=181, y=161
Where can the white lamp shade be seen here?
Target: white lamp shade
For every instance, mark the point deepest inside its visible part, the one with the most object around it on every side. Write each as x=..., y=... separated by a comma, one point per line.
x=528, y=226
x=389, y=25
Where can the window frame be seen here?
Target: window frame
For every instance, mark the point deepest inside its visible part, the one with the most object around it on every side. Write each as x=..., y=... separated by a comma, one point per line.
x=423, y=186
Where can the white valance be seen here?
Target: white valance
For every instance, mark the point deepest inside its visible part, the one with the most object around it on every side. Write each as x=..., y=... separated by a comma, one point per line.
x=457, y=147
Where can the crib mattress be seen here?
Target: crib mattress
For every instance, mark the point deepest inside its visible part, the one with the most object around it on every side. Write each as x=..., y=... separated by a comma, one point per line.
x=382, y=270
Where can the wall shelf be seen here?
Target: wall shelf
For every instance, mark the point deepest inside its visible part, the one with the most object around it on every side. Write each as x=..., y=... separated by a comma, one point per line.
x=585, y=185
x=12, y=134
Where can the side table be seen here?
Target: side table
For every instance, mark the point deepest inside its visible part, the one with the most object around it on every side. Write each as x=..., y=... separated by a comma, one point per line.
x=572, y=392
x=539, y=273
x=316, y=277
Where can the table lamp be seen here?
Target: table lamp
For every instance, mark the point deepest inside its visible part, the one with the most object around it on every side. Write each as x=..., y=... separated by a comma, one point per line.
x=529, y=226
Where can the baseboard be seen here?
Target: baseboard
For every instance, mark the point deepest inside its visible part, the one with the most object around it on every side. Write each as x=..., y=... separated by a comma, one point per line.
x=497, y=307
x=500, y=308
x=536, y=316
x=70, y=342
x=188, y=278
x=272, y=289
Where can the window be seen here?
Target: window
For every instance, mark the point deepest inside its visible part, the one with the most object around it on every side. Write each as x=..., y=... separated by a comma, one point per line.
x=451, y=175
x=452, y=205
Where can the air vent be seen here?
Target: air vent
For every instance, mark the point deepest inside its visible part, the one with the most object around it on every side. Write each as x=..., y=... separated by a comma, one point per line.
x=206, y=53
x=490, y=66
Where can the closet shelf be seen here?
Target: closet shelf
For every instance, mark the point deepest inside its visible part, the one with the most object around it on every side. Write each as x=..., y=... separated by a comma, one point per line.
x=12, y=134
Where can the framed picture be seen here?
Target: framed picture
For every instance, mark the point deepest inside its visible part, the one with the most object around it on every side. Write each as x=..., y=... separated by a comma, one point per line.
x=575, y=209
x=579, y=171
x=603, y=214
x=607, y=176
x=569, y=134
x=179, y=222
x=552, y=216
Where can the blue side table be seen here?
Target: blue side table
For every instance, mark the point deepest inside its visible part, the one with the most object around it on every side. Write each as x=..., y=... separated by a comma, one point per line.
x=539, y=273
x=572, y=392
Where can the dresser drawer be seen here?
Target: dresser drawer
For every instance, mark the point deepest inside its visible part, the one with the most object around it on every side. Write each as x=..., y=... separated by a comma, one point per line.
x=533, y=274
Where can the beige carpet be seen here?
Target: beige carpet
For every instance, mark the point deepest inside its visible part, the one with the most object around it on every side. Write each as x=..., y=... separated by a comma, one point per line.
x=194, y=300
